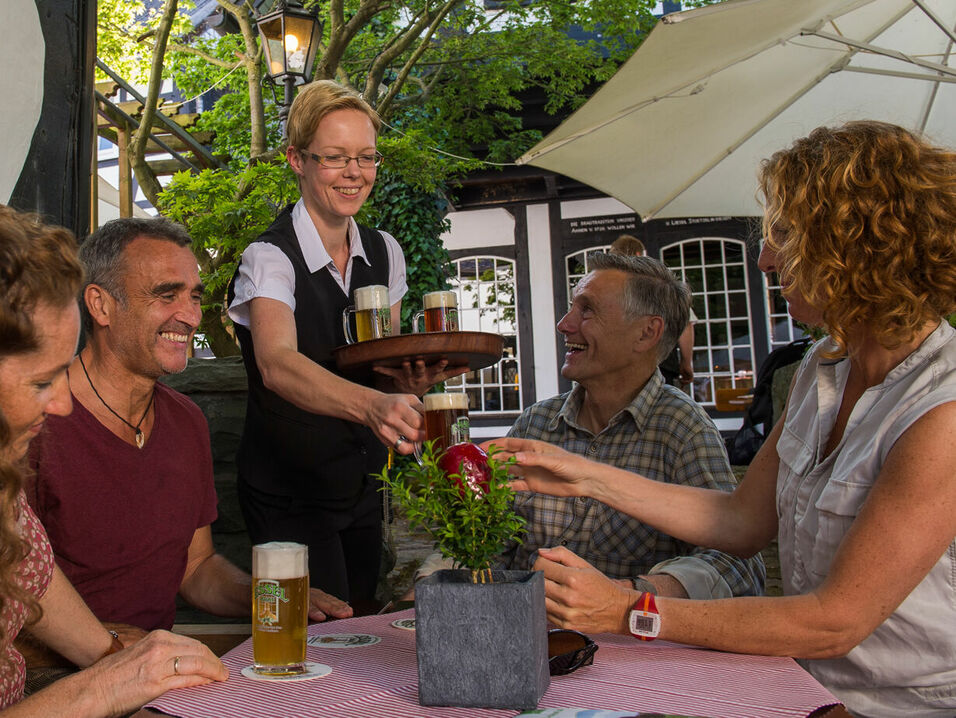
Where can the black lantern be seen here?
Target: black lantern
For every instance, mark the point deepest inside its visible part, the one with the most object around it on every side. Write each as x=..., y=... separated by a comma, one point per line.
x=290, y=39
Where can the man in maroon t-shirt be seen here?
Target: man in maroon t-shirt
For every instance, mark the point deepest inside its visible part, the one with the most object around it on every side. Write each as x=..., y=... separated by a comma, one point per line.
x=124, y=484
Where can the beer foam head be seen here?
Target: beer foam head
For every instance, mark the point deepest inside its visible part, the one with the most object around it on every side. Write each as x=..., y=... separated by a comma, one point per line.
x=374, y=296
x=434, y=300
x=451, y=400
x=280, y=559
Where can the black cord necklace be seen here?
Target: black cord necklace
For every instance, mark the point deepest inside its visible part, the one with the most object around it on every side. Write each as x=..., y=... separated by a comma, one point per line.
x=140, y=436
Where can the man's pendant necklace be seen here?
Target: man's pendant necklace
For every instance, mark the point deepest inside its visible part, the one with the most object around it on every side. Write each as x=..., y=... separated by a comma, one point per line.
x=140, y=436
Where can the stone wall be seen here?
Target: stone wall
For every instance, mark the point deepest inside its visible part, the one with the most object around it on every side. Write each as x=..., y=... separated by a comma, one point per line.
x=218, y=386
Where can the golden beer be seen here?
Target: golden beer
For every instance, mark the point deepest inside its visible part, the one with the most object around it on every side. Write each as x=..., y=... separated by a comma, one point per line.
x=372, y=324
x=280, y=607
x=373, y=315
x=446, y=419
x=440, y=312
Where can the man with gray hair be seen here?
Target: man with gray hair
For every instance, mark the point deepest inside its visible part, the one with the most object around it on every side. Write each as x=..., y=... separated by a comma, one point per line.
x=625, y=316
x=124, y=484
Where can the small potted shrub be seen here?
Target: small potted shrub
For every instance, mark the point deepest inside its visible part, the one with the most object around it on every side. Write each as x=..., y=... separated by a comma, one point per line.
x=481, y=634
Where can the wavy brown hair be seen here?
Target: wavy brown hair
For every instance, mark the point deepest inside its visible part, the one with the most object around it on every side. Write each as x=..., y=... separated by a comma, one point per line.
x=38, y=265
x=862, y=219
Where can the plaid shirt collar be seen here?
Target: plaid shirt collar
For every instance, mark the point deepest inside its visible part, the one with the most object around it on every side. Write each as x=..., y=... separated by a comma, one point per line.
x=639, y=408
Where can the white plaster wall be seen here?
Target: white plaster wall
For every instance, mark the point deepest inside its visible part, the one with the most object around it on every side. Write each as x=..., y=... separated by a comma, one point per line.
x=479, y=228
x=542, y=302
x=23, y=54
x=593, y=208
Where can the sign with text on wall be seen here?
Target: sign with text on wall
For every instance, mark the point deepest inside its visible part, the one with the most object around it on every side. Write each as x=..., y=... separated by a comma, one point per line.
x=600, y=230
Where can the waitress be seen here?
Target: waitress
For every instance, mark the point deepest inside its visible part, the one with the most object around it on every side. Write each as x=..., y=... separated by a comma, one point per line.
x=312, y=439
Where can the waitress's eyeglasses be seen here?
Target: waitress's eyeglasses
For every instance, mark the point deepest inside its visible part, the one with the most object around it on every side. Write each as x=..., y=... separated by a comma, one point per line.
x=568, y=651
x=339, y=162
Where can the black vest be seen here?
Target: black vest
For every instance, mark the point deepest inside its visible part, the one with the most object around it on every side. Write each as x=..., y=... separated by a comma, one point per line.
x=286, y=450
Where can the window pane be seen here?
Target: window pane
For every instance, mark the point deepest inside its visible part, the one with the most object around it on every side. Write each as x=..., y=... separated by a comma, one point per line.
x=716, y=306
x=715, y=279
x=486, y=300
x=738, y=304
x=692, y=254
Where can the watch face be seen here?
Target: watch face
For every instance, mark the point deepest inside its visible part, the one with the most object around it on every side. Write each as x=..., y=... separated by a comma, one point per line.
x=645, y=624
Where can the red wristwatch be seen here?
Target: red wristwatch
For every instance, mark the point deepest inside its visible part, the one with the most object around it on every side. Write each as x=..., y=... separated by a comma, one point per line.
x=644, y=621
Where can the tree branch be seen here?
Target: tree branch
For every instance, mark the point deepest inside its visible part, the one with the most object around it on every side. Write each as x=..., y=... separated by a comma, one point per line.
x=385, y=104
x=137, y=145
x=257, y=113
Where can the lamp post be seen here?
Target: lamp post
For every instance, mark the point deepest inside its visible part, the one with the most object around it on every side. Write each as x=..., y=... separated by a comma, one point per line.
x=290, y=38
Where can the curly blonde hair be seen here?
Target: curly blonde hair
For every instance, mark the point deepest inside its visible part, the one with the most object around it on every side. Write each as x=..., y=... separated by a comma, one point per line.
x=38, y=264
x=862, y=219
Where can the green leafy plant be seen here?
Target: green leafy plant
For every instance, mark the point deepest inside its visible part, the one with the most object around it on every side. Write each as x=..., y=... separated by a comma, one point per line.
x=471, y=527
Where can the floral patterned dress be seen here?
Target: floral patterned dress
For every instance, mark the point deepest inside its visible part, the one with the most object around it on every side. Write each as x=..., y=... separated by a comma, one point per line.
x=33, y=575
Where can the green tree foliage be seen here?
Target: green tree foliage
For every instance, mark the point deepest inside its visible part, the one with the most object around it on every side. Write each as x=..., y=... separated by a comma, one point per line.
x=416, y=218
x=448, y=77
x=225, y=210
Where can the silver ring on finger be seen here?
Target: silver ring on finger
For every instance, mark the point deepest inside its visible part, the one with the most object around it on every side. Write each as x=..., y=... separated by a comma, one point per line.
x=176, y=665
x=399, y=441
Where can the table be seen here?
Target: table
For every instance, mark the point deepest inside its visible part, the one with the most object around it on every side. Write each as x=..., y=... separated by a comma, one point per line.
x=381, y=680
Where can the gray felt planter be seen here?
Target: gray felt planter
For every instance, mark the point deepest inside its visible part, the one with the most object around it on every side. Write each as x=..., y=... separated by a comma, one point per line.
x=481, y=645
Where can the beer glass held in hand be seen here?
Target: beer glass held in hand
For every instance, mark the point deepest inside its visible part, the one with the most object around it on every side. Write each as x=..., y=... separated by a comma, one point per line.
x=440, y=312
x=373, y=315
x=446, y=419
x=280, y=607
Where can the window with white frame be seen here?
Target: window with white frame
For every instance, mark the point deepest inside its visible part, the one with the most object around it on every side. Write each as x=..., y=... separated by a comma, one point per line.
x=487, y=296
x=780, y=325
x=716, y=272
x=576, y=266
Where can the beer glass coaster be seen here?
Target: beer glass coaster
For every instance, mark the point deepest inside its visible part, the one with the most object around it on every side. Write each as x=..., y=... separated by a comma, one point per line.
x=407, y=624
x=343, y=640
x=312, y=670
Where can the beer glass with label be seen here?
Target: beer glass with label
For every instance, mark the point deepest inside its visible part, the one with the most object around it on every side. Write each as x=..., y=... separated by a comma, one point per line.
x=280, y=607
x=373, y=315
x=446, y=419
x=440, y=312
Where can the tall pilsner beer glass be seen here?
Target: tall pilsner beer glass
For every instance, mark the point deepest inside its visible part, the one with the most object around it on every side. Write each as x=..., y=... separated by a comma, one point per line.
x=446, y=419
x=280, y=607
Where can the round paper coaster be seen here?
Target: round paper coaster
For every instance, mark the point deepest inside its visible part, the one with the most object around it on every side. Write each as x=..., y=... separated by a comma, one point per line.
x=407, y=624
x=343, y=640
x=312, y=670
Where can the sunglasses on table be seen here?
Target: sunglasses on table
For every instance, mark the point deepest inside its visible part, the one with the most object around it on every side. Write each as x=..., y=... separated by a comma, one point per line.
x=568, y=651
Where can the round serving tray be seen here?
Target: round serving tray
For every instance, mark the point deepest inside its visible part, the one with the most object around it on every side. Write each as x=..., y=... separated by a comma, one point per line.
x=476, y=349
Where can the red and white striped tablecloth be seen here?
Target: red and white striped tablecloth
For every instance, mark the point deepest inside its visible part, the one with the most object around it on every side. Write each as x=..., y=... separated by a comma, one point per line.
x=381, y=681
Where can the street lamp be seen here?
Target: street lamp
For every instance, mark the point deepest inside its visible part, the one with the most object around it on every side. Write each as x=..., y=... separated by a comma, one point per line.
x=290, y=38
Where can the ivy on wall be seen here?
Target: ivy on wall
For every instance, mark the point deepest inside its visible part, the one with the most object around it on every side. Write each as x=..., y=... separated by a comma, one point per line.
x=417, y=220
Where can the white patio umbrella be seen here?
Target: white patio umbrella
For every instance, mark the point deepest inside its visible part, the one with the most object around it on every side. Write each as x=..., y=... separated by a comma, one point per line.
x=680, y=130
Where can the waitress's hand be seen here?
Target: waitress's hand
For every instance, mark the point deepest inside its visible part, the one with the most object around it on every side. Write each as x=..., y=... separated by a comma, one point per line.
x=396, y=420
x=417, y=377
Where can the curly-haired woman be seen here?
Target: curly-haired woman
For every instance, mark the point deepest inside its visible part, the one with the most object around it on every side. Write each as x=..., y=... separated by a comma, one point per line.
x=40, y=276
x=857, y=478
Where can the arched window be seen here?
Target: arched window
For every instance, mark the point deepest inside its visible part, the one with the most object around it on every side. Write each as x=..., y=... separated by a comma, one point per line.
x=576, y=266
x=780, y=326
x=715, y=269
x=487, y=303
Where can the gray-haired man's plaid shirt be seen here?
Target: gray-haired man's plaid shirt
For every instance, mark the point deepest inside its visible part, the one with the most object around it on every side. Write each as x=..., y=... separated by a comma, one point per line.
x=662, y=435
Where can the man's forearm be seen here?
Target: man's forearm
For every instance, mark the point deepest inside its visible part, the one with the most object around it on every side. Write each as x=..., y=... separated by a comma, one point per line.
x=219, y=587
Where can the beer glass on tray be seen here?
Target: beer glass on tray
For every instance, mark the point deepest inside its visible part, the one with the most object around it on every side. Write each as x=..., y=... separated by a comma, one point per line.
x=373, y=315
x=440, y=312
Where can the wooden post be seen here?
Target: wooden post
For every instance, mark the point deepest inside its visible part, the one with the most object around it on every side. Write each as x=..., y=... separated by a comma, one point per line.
x=125, y=173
